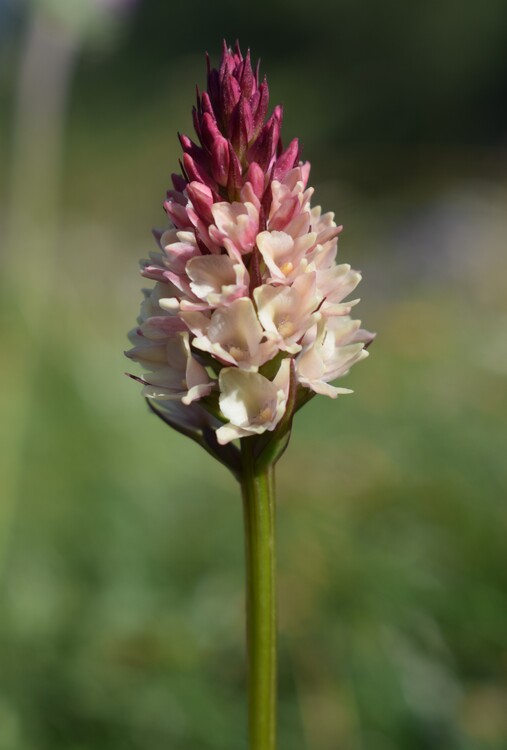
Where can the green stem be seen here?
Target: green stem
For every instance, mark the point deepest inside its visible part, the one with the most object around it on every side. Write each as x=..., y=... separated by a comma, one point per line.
x=258, y=488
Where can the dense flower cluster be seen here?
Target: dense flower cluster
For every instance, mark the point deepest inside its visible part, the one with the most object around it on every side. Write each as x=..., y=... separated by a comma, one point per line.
x=248, y=304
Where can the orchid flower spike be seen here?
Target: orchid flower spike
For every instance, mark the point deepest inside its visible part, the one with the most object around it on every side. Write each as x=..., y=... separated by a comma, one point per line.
x=248, y=318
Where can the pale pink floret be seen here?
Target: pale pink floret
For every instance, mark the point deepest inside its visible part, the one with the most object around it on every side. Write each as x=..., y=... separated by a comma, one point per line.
x=155, y=323
x=324, y=224
x=290, y=205
x=283, y=255
x=236, y=226
x=330, y=349
x=287, y=312
x=209, y=281
x=251, y=402
x=216, y=280
x=201, y=230
x=173, y=372
x=233, y=335
x=248, y=194
x=334, y=284
x=176, y=209
x=150, y=306
x=168, y=266
x=159, y=327
x=178, y=246
x=327, y=232
x=293, y=184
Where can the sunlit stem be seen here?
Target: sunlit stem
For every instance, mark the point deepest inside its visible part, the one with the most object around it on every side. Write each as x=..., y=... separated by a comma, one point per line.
x=259, y=514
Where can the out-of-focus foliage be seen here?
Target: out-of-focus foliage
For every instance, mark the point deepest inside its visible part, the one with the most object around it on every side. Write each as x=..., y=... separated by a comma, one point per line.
x=121, y=558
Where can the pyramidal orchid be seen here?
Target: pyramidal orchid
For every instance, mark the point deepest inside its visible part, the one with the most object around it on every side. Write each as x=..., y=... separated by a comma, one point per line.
x=247, y=320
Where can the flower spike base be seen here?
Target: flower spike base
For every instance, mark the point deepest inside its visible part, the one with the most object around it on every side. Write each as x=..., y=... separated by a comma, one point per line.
x=247, y=321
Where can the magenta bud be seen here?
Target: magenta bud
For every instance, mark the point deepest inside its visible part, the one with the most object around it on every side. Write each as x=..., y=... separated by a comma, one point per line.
x=177, y=196
x=214, y=90
x=178, y=214
x=206, y=104
x=228, y=62
x=241, y=126
x=195, y=172
x=287, y=160
x=246, y=77
x=247, y=117
x=210, y=131
x=277, y=117
x=230, y=94
x=259, y=104
x=255, y=176
x=202, y=200
x=220, y=160
x=186, y=143
x=179, y=182
x=192, y=149
x=264, y=149
x=234, y=181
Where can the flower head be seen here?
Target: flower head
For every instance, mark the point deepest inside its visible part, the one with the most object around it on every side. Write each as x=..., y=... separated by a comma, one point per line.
x=248, y=317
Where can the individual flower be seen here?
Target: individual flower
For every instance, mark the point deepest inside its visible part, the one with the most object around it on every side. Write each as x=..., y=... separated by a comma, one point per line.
x=233, y=335
x=173, y=372
x=251, y=402
x=287, y=312
x=236, y=226
x=329, y=350
x=285, y=256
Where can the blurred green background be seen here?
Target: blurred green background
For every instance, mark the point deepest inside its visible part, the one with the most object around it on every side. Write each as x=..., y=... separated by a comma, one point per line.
x=121, y=550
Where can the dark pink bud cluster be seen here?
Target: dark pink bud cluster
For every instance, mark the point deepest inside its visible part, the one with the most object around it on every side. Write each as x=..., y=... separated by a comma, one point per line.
x=236, y=146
